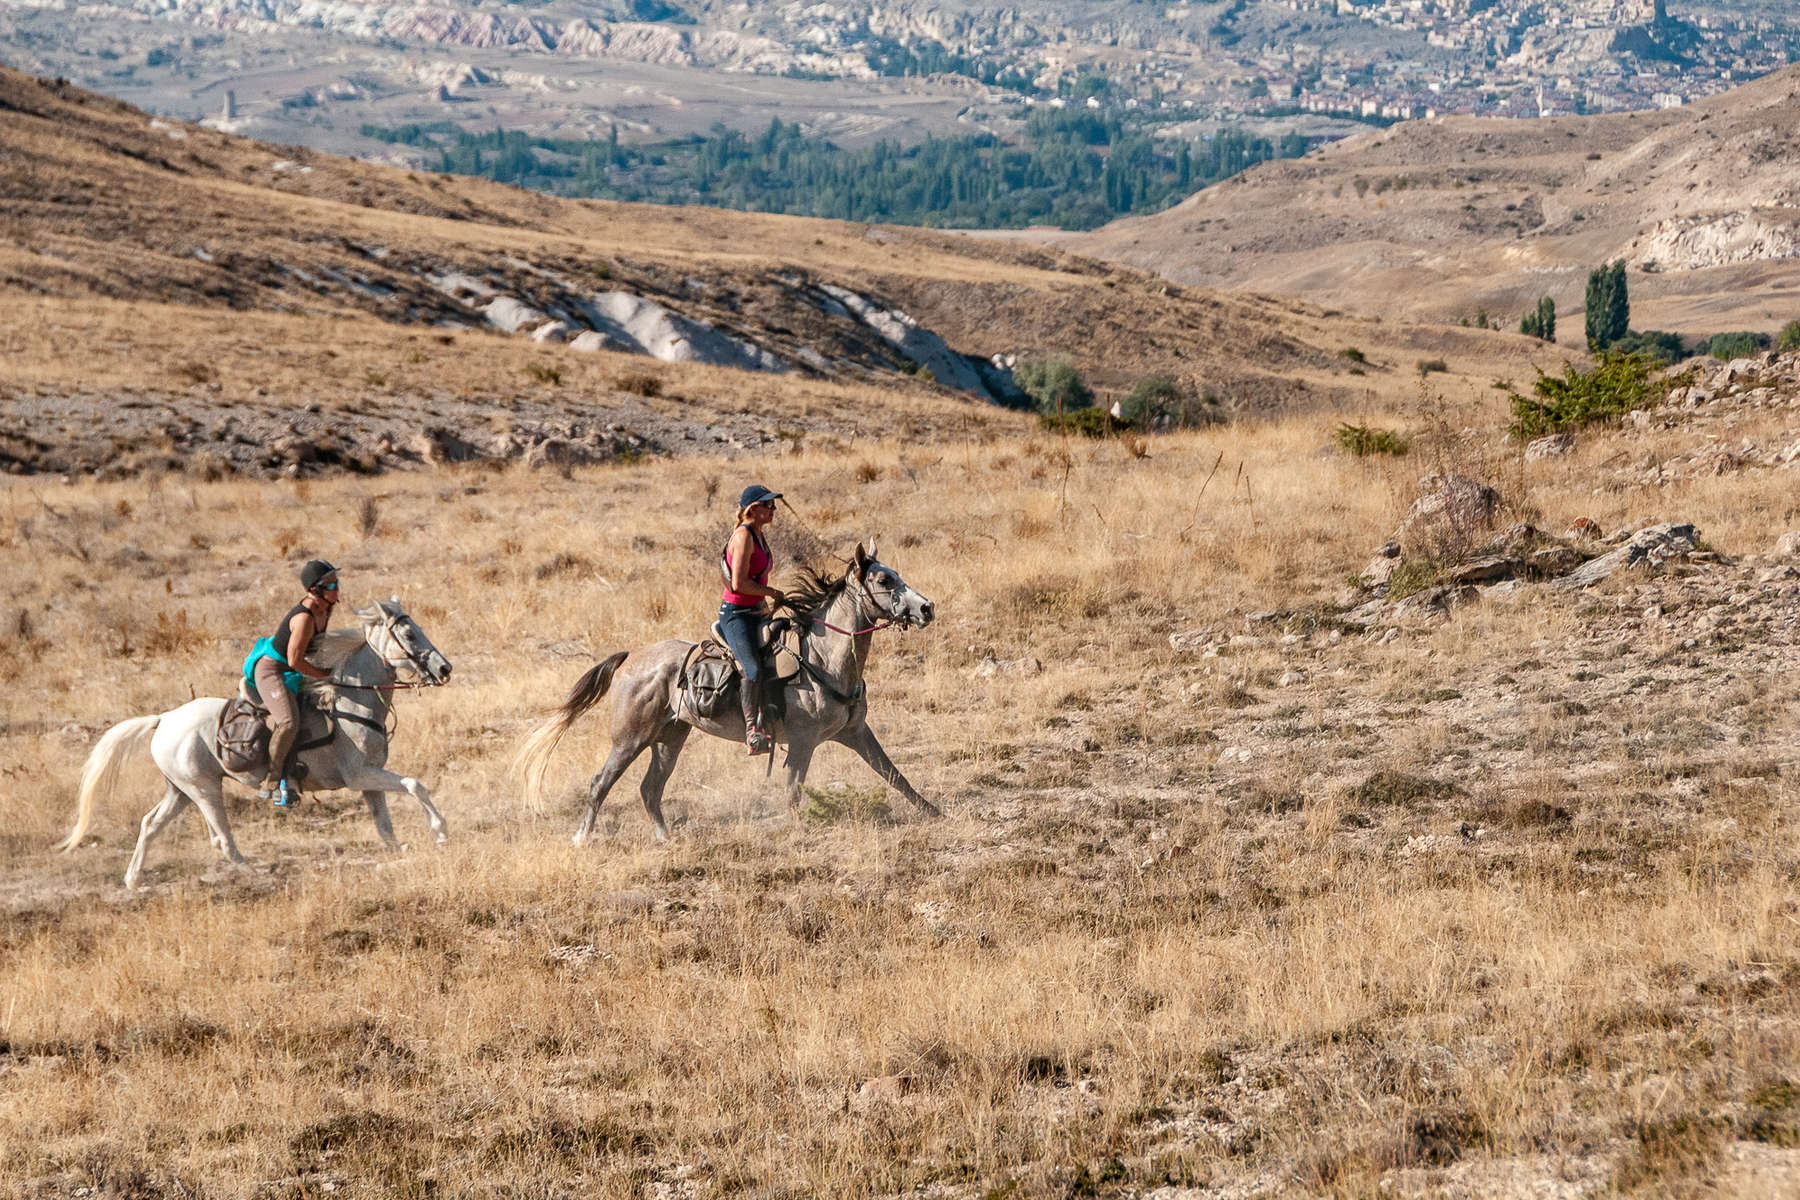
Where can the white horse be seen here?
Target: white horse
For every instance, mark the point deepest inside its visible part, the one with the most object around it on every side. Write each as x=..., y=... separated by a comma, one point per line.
x=363, y=662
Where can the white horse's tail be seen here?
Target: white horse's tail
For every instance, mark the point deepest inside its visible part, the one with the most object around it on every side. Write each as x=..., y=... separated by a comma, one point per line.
x=532, y=762
x=101, y=773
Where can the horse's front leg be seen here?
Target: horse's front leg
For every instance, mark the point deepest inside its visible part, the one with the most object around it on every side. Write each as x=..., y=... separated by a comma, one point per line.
x=863, y=741
x=799, y=758
x=384, y=825
x=365, y=778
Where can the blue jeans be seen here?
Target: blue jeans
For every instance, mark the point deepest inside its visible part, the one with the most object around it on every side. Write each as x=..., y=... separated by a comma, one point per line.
x=742, y=625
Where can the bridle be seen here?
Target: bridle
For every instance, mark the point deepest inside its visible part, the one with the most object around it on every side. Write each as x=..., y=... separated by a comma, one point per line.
x=881, y=623
x=411, y=661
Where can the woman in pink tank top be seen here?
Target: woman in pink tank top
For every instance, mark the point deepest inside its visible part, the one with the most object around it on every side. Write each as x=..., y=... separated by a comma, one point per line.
x=746, y=562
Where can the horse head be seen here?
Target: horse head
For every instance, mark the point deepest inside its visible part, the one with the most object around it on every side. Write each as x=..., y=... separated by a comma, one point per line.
x=397, y=638
x=886, y=596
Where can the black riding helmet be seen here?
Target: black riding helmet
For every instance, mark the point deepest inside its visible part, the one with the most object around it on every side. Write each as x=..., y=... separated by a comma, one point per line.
x=314, y=571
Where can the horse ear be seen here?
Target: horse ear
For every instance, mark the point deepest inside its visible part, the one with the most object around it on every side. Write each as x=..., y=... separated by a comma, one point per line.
x=872, y=554
x=862, y=559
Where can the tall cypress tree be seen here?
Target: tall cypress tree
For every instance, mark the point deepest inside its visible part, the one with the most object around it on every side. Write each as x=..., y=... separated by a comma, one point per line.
x=1618, y=312
x=1599, y=308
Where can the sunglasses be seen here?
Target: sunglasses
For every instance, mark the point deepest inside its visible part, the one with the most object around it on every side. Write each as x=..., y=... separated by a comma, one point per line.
x=328, y=587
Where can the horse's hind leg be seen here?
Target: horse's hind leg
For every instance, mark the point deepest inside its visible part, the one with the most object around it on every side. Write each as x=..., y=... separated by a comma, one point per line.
x=662, y=764
x=622, y=756
x=158, y=818
x=208, y=795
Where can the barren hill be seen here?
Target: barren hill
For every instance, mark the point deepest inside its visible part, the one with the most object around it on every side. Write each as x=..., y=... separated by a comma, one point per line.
x=1436, y=219
x=220, y=285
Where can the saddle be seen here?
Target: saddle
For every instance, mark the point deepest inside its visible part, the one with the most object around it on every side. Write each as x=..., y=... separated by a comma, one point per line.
x=242, y=738
x=708, y=684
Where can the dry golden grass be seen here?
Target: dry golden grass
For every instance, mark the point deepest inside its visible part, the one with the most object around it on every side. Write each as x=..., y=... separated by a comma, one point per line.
x=1503, y=906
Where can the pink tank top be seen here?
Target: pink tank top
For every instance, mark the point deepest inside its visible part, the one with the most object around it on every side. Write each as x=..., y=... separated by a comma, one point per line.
x=760, y=562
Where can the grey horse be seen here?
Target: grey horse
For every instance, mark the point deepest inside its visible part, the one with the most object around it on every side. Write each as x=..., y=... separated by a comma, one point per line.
x=838, y=616
x=363, y=664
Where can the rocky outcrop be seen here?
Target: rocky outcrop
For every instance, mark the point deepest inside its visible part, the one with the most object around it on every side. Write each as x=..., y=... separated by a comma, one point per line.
x=1714, y=240
x=1451, y=513
x=1650, y=547
x=917, y=343
x=636, y=324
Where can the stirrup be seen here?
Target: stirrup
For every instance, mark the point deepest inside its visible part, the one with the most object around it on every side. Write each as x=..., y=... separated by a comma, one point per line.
x=757, y=739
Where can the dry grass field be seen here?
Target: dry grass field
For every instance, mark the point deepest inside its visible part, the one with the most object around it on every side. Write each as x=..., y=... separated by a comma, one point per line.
x=1503, y=904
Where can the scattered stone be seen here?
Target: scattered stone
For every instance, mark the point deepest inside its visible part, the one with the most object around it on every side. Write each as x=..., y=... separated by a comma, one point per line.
x=1788, y=545
x=1552, y=561
x=884, y=1089
x=1292, y=678
x=1433, y=602
x=438, y=445
x=1450, y=511
x=1188, y=641
x=1490, y=568
x=1553, y=445
x=991, y=666
x=1649, y=548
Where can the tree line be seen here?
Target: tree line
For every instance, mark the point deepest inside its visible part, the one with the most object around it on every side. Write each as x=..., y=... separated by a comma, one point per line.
x=1077, y=169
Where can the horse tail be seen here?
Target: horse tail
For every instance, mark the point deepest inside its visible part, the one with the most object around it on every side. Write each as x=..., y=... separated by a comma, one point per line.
x=532, y=762
x=101, y=772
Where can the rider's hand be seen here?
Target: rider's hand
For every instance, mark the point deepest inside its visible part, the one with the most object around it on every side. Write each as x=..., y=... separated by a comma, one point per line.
x=777, y=598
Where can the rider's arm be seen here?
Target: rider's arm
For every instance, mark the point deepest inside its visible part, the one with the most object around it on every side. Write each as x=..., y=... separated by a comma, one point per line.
x=741, y=580
x=300, y=636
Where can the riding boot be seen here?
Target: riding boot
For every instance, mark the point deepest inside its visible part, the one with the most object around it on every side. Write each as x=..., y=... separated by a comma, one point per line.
x=756, y=736
x=281, y=749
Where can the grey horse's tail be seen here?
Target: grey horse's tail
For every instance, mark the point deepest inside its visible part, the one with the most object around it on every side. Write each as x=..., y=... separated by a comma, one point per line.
x=533, y=759
x=101, y=773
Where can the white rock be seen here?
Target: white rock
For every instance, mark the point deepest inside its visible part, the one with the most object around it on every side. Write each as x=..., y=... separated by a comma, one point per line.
x=509, y=315
x=555, y=331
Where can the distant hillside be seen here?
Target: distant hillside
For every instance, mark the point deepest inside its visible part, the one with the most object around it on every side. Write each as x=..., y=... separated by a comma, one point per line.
x=184, y=252
x=1436, y=220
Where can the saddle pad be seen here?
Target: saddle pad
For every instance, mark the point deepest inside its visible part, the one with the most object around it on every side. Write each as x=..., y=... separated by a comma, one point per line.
x=709, y=676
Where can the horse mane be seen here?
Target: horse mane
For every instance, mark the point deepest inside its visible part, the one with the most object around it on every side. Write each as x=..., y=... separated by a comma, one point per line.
x=334, y=647
x=814, y=591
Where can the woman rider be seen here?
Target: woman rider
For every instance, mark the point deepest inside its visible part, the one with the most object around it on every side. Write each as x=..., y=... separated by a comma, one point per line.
x=746, y=564
x=277, y=662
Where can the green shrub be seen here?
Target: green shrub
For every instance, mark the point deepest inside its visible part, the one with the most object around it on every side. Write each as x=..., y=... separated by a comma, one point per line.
x=1727, y=346
x=1053, y=385
x=1152, y=397
x=1664, y=348
x=1790, y=337
x=1089, y=422
x=1357, y=356
x=1428, y=366
x=1364, y=440
x=1620, y=384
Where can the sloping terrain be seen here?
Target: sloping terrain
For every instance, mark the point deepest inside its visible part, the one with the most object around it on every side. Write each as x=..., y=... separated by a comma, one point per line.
x=1437, y=219
x=162, y=258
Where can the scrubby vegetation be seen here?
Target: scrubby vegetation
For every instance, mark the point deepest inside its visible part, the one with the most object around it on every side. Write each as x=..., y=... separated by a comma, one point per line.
x=1053, y=384
x=1540, y=323
x=1620, y=384
x=1364, y=440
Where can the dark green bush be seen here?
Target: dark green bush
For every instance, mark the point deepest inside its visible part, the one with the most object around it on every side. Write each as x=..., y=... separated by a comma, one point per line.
x=1353, y=354
x=1364, y=440
x=1428, y=366
x=1664, y=348
x=1790, y=337
x=1727, y=346
x=1620, y=384
x=1053, y=385
x=1152, y=397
